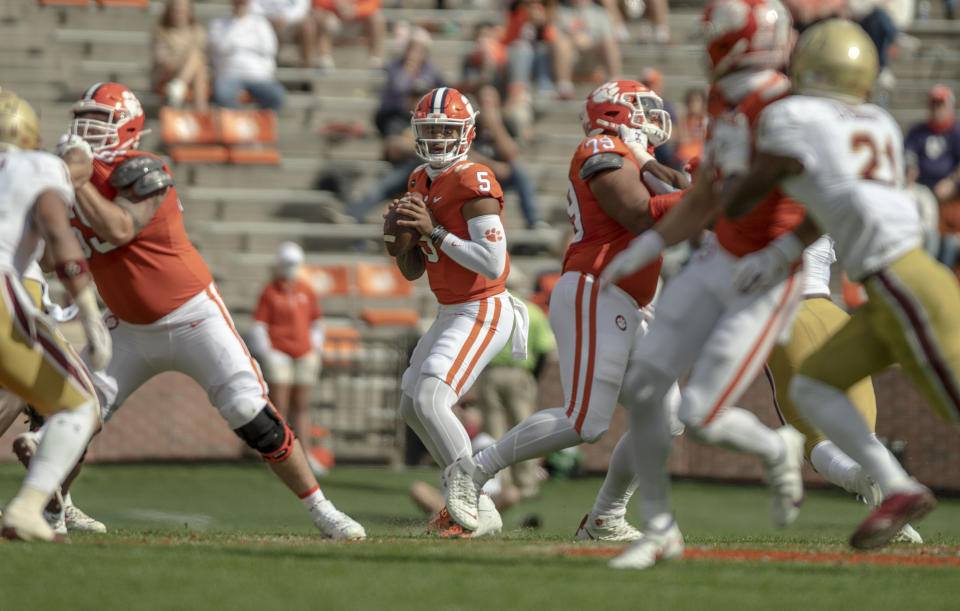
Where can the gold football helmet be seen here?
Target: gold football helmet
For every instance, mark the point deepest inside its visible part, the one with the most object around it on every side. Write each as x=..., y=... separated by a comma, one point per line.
x=834, y=59
x=19, y=125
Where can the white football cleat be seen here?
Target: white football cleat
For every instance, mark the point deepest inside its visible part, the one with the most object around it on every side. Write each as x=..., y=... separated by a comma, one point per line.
x=462, y=493
x=488, y=518
x=785, y=479
x=78, y=521
x=907, y=534
x=649, y=549
x=606, y=528
x=334, y=524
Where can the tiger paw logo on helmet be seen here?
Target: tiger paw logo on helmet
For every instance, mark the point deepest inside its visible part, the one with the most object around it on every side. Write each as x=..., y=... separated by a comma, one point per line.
x=626, y=103
x=493, y=235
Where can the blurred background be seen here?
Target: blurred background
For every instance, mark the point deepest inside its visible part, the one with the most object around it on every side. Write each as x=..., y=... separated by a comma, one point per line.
x=299, y=132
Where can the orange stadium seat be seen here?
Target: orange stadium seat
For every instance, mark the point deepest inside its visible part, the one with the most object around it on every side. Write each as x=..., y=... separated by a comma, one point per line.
x=129, y=3
x=250, y=136
x=341, y=346
x=382, y=281
x=329, y=281
x=191, y=136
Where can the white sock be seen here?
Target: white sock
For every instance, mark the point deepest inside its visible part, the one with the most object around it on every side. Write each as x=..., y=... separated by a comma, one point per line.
x=620, y=481
x=432, y=402
x=737, y=429
x=544, y=432
x=835, y=466
x=67, y=434
x=829, y=409
x=650, y=435
x=312, y=498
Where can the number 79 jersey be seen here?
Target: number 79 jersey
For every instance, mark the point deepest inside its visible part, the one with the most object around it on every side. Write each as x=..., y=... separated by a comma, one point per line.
x=852, y=178
x=444, y=196
x=597, y=237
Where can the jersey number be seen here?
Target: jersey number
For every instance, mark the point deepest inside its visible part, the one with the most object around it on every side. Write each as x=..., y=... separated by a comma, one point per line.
x=429, y=249
x=598, y=144
x=864, y=140
x=483, y=180
x=573, y=212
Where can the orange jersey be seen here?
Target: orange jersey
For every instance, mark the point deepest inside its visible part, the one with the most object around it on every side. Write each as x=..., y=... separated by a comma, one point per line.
x=153, y=274
x=444, y=196
x=288, y=309
x=777, y=214
x=597, y=237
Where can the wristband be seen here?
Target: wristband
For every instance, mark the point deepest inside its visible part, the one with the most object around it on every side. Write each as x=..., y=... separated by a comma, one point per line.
x=71, y=268
x=438, y=233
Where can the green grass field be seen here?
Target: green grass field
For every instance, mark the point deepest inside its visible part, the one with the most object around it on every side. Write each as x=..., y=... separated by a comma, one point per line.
x=231, y=537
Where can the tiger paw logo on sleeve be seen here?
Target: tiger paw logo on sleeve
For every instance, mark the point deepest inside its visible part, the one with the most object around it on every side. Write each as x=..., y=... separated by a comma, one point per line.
x=493, y=235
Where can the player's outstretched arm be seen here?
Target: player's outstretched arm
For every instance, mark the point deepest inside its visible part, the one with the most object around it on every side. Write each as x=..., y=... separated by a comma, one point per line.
x=53, y=224
x=761, y=179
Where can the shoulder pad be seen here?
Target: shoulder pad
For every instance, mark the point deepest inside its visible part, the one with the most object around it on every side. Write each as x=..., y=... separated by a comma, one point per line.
x=599, y=163
x=131, y=170
x=151, y=182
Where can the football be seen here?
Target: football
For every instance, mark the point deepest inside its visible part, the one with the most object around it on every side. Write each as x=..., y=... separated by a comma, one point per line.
x=398, y=238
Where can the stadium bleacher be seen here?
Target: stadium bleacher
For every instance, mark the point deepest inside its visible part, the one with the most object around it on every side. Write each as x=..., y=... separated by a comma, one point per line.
x=237, y=214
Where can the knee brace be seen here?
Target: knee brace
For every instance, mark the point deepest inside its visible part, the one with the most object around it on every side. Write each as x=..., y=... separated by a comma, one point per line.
x=268, y=434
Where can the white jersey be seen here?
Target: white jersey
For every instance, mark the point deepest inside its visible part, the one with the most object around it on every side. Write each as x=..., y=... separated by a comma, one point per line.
x=817, y=259
x=24, y=175
x=852, y=181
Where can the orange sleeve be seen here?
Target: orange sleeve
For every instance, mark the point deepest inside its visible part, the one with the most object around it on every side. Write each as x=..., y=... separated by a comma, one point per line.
x=661, y=204
x=477, y=180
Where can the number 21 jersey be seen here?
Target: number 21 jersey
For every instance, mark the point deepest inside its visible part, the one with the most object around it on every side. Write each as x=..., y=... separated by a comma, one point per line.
x=852, y=178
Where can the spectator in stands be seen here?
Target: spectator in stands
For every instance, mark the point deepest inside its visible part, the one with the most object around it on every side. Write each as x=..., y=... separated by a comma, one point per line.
x=180, y=56
x=244, y=50
x=412, y=70
x=291, y=16
x=496, y=148
x=330, y=16
x=933, y=160
x=287, y=336
x=658, y=13
x=691, y=130
x=486, y=64
x=507, y=390
x=589, y=28
x=409, y=77
x=536, y=52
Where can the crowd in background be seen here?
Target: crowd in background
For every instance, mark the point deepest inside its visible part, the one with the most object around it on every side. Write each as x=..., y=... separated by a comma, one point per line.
x=534, y=54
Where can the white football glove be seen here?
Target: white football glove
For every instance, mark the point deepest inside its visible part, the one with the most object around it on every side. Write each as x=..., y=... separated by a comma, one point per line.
x=99, y=345
x=642, y=251
x=637, y=142
x=68, y=142
x=768, y=266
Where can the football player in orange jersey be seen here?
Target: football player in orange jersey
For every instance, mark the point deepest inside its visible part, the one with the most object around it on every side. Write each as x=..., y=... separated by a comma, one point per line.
x=456, y=206
x=165, y=312
x=705, y=325
x=617, y=190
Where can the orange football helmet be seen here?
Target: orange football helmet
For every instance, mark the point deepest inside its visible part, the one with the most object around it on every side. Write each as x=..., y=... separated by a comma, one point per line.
x=746, y=34
x=443, y=126
x=124, y=123
x=628, y=103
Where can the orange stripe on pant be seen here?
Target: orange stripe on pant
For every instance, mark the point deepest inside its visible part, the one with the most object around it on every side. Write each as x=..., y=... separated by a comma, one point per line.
x=491, y=331
x=577, y=338
x=591, y=357
x=226, y=317
x=751, y=357
x=474, y=333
